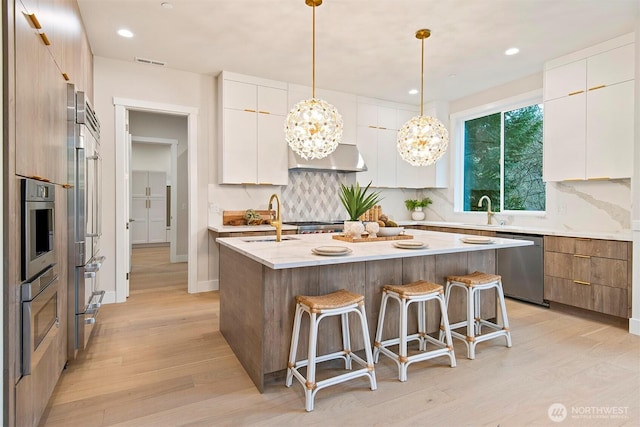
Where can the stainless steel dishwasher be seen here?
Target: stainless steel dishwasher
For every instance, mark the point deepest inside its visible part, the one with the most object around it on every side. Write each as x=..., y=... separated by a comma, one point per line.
x=522, y=269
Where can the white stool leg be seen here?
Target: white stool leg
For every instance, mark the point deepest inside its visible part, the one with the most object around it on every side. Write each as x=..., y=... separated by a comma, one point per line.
x=478, y=313
x=367, y=347
x=447, y=330
x=503, y=311
x=471, y=345
x=403, y=339
x=383, y=308
x=422, y=325
x=310, y=386
x=293, y=350
x=447, y=293
x=346, y=340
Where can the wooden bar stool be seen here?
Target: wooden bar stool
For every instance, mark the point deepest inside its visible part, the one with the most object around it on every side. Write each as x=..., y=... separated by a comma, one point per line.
x=340, y=303
x=473, y=283
x=420, y=292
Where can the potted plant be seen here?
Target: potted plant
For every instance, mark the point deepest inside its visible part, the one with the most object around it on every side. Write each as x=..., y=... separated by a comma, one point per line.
x=415, y=206
x=357, y=201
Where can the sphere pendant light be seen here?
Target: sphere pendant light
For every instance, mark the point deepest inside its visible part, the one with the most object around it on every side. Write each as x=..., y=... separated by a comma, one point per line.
x=423, y=139
x=313, y=128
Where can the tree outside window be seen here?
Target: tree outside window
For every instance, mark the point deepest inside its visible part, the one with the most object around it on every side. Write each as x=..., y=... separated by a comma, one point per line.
x=503, y=160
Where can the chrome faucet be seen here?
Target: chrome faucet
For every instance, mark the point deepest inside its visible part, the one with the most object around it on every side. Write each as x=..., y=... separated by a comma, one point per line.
x=277, y=222
x=489, y=212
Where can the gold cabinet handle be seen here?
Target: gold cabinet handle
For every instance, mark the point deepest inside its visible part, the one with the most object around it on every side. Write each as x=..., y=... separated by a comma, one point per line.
x=248, y=110
x=599, y=178
x=581, y=256
x=263, y=112
x=34, y=21
x=373, y=127
x=597, y=87
x=580, y=282
x=45, y=39
x=576, y=92
x=573, y=179
x=65, y=76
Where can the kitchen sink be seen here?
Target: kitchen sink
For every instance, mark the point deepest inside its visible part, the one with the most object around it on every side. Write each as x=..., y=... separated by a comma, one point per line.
x=271, y=239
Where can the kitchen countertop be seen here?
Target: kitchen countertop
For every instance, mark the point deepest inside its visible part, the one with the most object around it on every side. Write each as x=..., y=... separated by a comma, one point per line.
x=243, y=228
x=296, y=251
x=624, y=235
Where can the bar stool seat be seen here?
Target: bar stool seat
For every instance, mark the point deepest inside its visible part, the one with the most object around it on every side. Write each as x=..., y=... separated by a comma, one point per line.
x=420, y=292
x=339, y=303
x=473, y=283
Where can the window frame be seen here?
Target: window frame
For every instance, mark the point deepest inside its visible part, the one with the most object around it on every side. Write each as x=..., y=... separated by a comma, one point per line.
x=459, y=118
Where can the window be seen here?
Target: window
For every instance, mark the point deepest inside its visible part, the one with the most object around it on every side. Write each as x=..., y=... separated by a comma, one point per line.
x=503, y=158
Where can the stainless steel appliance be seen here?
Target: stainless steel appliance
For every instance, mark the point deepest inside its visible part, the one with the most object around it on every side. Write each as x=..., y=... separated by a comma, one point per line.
x=84, y=219
x=39, y=305
x=522, y=269
x=38, y=217
x=312, y=227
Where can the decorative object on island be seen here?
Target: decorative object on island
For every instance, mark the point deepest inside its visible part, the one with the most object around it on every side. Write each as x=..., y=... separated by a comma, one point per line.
x=356, y=201
x=372, y=228
x=252, y=217
x=415, y=206
x=313, y=128
x=423, y=139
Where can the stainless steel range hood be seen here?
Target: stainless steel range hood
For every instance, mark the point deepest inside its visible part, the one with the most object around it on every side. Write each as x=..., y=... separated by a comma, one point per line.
x=345, y=158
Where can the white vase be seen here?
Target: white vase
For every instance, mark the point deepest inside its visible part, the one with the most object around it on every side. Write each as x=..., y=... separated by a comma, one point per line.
x=353, y=229
x=418, y=214
x=372, y=228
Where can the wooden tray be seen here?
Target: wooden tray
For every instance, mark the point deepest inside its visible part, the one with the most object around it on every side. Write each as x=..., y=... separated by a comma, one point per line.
x=372, y=239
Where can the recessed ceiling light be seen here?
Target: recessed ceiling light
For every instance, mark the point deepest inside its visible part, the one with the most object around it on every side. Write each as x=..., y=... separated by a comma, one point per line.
x=413, y=91
x=125, y=33
x=511, y=51
x=166, y=5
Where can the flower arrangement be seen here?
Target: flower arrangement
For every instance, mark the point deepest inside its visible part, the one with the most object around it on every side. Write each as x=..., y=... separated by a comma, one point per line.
x=357, y=200
x=412, y=204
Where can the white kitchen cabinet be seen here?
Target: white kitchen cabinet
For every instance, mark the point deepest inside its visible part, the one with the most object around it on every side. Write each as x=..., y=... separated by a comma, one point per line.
x=252, y=147
x=589, y=113
x=148, y=207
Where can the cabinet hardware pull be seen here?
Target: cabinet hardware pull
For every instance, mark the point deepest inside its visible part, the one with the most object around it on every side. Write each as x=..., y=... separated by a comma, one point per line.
x=599, y=178
x=66, y=76
x=67, y=186
x=248, y=110
x=580, y=282
x=264, y=112
x=582, y=256
x=597, y=87
x=576, y=92
x=45, y=39
x=373, y=127
x=34, y=21
x=380, y=127
x=40, y=178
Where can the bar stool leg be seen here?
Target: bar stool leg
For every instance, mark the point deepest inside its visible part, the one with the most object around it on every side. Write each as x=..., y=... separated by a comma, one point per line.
x=503, y=313
x=471, y=324
x=383, y=309
x=346, y=340
x=367, y=347
x=294, y=344
x=310, y=386
x=447, y=330
x=403, y=340
x=422, y=325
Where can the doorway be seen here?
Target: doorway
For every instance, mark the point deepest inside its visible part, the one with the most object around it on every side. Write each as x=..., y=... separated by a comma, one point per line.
x=123, y=109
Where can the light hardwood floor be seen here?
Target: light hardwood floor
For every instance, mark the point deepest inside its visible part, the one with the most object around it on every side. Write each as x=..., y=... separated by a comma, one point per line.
x=159, y=360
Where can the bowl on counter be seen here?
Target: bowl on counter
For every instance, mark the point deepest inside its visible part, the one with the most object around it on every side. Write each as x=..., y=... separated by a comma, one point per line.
x=390, y=231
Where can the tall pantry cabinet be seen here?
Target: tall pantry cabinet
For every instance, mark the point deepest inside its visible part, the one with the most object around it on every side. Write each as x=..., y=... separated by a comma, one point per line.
x=148, y=207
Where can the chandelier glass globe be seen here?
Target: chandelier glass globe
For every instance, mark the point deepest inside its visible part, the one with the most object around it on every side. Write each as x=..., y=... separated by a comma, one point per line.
x=313, y=128
x=422, y=140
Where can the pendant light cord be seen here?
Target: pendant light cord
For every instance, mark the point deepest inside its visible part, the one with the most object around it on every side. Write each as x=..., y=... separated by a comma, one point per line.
x=313, y=55
x=422, y=81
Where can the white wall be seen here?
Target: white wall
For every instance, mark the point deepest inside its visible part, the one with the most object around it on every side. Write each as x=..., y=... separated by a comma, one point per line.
x=634, y=322
x=113, y=78
x=151, y=157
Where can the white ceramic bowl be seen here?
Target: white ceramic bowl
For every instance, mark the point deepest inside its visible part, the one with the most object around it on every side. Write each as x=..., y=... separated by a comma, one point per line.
x=389, y=231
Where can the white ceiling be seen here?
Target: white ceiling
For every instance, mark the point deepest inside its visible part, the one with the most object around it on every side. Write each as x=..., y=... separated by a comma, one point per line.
x=363, y=47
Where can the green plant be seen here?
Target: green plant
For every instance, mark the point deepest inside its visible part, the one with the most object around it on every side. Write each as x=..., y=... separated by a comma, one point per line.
x=411, y=204
x=356, y=200
x=252, y=217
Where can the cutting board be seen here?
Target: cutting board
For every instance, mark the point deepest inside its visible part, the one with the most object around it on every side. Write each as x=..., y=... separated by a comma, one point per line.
x=237, y=217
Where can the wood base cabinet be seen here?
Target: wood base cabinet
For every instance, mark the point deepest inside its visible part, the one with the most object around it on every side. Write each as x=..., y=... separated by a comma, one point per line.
x=588, y=273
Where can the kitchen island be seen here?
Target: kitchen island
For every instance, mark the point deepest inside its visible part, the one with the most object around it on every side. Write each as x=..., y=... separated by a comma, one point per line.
x=259, y=279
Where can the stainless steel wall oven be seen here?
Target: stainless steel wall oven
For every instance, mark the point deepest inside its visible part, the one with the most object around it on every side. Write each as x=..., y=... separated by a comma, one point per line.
x=84, y=219
x=37, y=226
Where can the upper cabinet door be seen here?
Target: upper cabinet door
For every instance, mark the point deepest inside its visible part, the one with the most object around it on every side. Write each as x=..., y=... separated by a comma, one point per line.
x=565, y=80
x=240, y=96
x=611, y=67
x=272, y=101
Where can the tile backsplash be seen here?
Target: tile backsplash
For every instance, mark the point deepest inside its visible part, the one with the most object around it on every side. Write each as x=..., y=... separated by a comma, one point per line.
x=313, y=196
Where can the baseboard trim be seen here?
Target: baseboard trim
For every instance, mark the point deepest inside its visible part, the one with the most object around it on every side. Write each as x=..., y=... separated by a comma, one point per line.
x=182, y=258
x=109, y=297
x=634, y=326
x=207, y=286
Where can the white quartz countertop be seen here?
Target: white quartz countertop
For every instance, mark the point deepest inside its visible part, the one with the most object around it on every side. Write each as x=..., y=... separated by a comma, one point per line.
x=243, y=228
x=296, y=250
x=623, y=235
